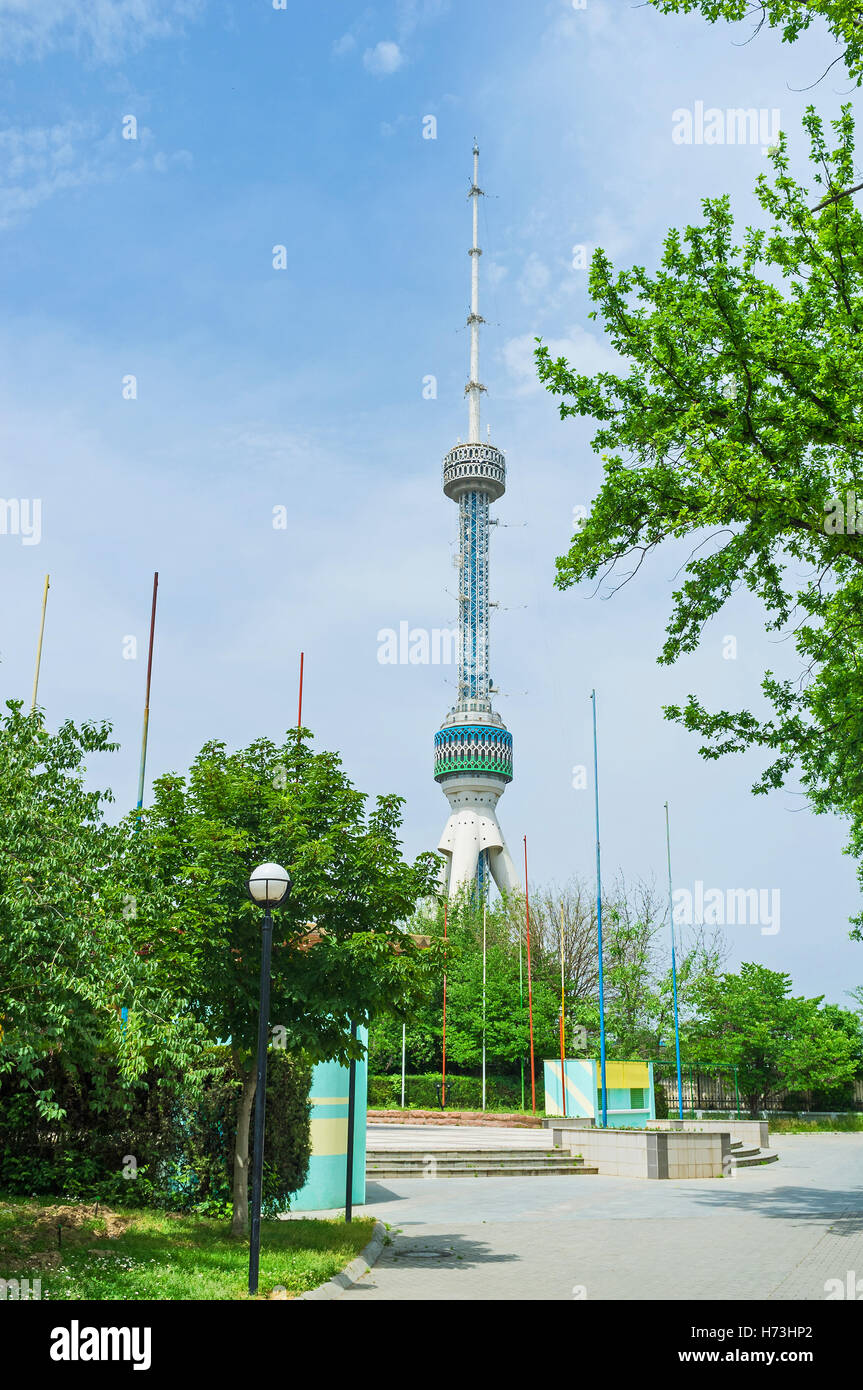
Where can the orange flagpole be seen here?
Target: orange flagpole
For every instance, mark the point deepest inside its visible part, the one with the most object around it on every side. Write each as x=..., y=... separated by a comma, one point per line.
x=145, y=735
x=529, y=986
x=39, y=643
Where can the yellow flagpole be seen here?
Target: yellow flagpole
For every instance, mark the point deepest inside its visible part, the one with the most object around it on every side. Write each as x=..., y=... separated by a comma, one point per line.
x=39, y=646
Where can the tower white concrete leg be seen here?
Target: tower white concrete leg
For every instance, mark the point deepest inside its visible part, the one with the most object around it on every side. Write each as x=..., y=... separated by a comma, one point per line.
x=472, y=828
x=503, y=870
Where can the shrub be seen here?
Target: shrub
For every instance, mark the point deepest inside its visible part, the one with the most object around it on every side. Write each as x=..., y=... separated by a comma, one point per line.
x=181, y=1144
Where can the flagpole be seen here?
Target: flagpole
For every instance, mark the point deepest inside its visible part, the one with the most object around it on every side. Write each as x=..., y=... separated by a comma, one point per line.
x=521, y=1000
x=529, y=985
x=562, y=1035
x=483, y=1006
x=147, y=695
x=39, y=643
x=673, y=967
x=599, y=924
x=300, y=707
x=443, y=1070
x=404, y=1037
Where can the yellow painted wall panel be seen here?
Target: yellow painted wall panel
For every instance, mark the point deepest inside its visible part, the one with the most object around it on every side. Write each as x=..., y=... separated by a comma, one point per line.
x=623, y=1074
x=329, y=1136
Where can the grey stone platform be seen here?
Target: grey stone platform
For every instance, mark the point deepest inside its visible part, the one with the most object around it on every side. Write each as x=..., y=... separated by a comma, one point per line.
x=780, y=1232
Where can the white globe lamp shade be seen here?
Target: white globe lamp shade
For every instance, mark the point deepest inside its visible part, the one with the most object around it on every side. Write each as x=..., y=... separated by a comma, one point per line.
x=269, y=884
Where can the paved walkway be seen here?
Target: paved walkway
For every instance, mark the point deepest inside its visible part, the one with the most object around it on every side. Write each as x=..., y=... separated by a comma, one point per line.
x=777, y=1232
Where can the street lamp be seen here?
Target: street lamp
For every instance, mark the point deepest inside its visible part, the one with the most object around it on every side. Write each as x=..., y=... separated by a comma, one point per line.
x=269, y=885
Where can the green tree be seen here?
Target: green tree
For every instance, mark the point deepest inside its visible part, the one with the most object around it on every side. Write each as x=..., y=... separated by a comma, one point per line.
x=66, y=962
x=339, y=953
x=777, y=1041
x=638, y=1001
x=506, y=1016
x=844, y=19
x=738, y=424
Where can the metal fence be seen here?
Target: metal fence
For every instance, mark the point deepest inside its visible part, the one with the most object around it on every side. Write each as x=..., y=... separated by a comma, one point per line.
x=704, y=1088
x=717, y=1088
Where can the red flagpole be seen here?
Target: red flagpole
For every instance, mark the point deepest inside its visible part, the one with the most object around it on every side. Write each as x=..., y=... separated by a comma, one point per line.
x=529, y=987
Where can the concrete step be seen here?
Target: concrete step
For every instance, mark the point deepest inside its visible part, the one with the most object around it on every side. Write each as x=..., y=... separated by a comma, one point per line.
x=754, y=1158
x=483, y=1160
x=417, y=1155
x=481, y=1169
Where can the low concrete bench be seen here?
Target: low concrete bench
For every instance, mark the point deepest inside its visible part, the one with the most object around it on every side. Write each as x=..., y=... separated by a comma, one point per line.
x=751, y=1133
x=647, y=1153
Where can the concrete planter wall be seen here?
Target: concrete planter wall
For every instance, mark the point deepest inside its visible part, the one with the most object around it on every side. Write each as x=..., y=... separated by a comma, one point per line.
x=648, y=1153
x=753, y=1134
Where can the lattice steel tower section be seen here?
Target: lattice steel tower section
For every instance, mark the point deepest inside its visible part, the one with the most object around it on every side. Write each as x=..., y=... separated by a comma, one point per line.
x=473, y=748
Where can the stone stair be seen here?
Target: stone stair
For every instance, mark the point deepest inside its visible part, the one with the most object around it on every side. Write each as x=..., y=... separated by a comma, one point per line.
x=390, y=1165
x=751, y=1158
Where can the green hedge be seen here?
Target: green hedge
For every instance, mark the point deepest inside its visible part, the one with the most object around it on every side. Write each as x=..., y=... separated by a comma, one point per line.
x=462, y=1092
x=181, y=1145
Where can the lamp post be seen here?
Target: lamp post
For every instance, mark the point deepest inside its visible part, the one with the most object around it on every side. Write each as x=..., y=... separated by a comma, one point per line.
x=269, y=885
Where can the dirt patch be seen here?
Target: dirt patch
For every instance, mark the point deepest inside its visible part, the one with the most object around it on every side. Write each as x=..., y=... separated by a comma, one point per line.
x=43, y=1259
x=68, y=1223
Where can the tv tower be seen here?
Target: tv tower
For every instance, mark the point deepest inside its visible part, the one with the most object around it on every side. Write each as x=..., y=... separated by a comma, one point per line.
x=473, y=748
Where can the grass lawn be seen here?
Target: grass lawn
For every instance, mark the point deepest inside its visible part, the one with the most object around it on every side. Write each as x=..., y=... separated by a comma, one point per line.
x=161, y=1255
x=843, y=1124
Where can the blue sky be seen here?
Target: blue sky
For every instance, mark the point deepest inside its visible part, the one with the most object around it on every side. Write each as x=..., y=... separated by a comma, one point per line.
x=302, y=388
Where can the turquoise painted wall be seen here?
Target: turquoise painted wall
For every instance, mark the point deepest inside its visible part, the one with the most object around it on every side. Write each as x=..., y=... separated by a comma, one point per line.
x=325, y=1185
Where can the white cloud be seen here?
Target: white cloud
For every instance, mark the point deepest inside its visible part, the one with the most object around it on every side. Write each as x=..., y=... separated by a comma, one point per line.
x=344, y=45
x=583, y=351
x=386, y=57
x=103, y=29
x=411, y=14
x=390, y=127
x=38, y=162
x=534, y=279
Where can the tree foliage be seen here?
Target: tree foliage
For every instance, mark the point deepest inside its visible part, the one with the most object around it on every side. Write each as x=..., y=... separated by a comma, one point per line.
x=777, y=1041
x=340, y=954
x=637, y=983
x=738, y=424
x=844, y=19
x=67, y=965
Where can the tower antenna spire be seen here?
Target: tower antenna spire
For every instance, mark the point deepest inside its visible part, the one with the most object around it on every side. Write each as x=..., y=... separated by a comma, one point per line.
x=473, y=747
x=474, y=387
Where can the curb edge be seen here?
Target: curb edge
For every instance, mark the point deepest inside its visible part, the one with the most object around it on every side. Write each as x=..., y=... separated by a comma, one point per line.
x=353, y=1272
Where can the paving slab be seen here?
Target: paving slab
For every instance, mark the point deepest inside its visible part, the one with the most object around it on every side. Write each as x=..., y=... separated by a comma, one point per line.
x=780, y=1232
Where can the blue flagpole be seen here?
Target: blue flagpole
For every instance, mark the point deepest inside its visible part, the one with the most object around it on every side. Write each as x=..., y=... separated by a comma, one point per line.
x=673, y=967
x=599, y=926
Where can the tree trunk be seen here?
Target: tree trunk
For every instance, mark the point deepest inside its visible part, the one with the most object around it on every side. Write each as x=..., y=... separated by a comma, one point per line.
x=240, y=1213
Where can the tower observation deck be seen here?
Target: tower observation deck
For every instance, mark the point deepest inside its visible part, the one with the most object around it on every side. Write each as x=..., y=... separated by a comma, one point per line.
x=473, y=748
